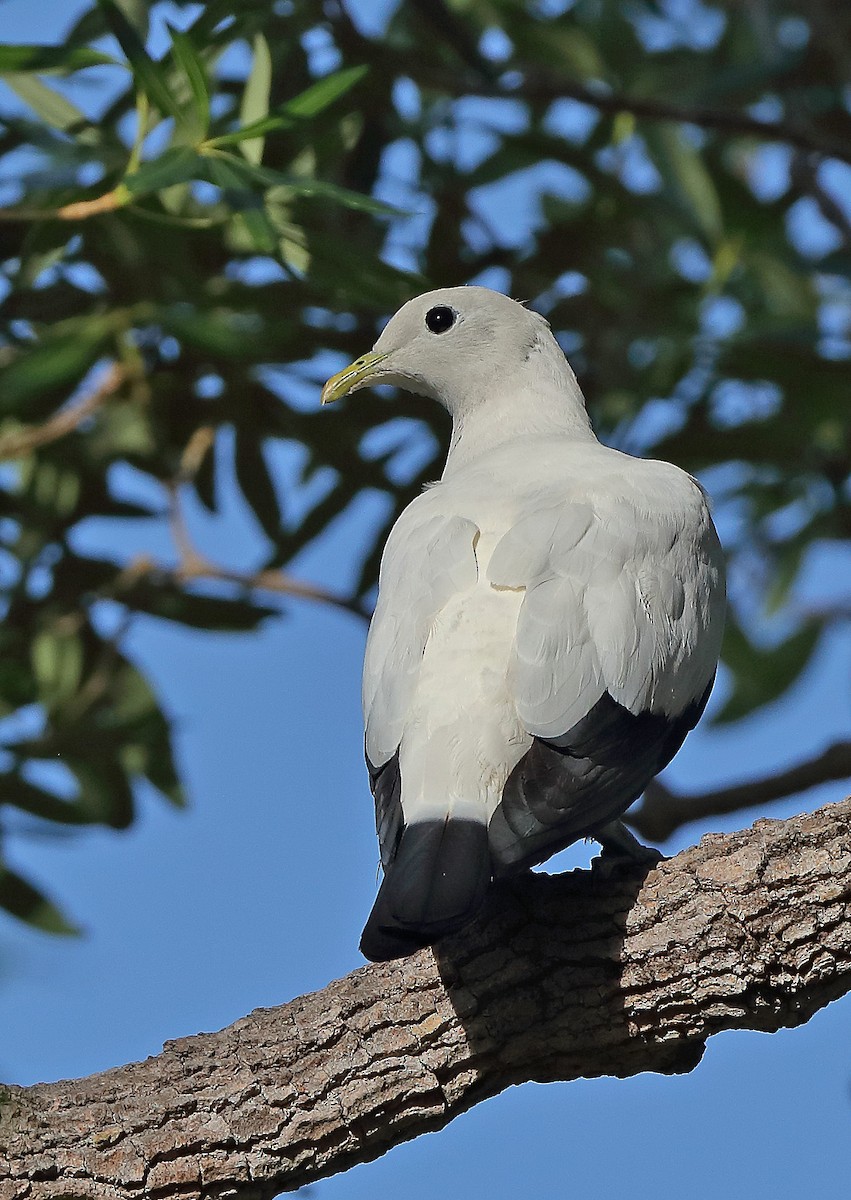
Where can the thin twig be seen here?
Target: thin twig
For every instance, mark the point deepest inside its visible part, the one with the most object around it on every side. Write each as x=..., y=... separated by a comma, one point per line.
x=20, y=442
x=77, y=210
x=828, y=613
x=195, y=451
x=662, y=811
x=266, y=581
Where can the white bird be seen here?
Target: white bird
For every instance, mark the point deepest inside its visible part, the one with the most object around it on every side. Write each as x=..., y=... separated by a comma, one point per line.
x=548, y=622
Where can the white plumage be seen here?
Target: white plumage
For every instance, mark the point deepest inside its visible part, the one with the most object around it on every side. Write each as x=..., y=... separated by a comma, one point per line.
x=548, y=621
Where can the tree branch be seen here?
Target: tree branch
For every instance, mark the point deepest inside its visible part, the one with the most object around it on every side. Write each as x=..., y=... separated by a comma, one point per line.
x=78, y=210
x=193, y=565
x=582, y=974
x=23, y=441
x=278, y=582
x=542, y=87
x=662, y=811
x=545, y=86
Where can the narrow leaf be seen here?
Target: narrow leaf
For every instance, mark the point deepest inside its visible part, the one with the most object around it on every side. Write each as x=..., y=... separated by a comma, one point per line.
x=57, y=661
x=259, y=234
x=137, y=13
x=306, y=105
x=684, y=171
x=299, y=185
x=252, y=474
x=27, y=903
x=211, y=613
x=180, y=164
x=250, y=215
x=59, y=360
x=38, y=803
x=192, y=66
x=256, y=130
x=761, y=676
x=150, y=77
x=106, y=796
x=48, y=104
x=324, y=92
x=51, y=58
x=255, y=98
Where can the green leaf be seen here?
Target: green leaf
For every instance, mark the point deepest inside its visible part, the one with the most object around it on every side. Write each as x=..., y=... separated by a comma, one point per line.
x=57, y=660
x=162, y=598
x=562, y=45
x=27, y=903
x=292, y=243
x=53, y=488
x=684, y=171
x=255, y=98
x=784, y=288
x=192, y=66
x=124, y=429
x=33, y=800
x=218, y=331
x=248, y=133
x=760, y=675
x=145, y=747
x=59, y=360
x=338, y=267
x=308, y=104
x=325, y=91
x=46, y=103
x=179, y=164
x=258, y=234
x=151, y=77
x=137, y=13
x=250, y=216
x=106, y=796
x=248, y=176
x=131, y=696
x=51, y=58
x=252, y=474
x=786, y=564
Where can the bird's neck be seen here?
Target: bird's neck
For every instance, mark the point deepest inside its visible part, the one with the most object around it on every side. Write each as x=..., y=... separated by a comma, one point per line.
x=543, y=399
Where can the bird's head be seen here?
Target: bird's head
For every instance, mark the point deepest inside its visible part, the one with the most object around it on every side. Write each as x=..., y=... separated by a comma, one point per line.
x=454, y=345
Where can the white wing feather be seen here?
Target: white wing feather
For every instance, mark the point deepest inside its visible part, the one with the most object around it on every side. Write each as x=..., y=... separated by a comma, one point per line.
x=428, y=559
x=623, y=594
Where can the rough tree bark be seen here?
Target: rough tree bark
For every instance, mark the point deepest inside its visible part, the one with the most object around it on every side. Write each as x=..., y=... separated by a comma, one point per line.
x=583, y=974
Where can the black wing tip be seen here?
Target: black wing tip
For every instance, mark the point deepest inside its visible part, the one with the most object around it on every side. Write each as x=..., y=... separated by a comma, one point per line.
x=434, y=886
x=384, y=943
x=563, y=790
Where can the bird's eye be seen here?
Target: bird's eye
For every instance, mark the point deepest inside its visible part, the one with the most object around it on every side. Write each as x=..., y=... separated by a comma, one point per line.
x=440, y=319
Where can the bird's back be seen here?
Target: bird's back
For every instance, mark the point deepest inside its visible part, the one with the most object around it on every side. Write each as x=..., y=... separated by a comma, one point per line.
x=543, y=579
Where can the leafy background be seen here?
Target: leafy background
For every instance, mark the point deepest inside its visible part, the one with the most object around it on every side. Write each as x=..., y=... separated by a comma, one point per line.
x=668, y=183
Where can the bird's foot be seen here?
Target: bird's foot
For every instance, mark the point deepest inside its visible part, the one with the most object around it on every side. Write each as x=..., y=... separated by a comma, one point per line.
x=620, y=851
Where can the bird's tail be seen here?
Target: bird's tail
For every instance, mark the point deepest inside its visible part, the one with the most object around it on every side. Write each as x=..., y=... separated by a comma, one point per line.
x=434, y=884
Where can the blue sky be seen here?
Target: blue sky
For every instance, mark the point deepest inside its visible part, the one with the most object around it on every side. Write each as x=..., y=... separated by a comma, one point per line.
x=259, y=891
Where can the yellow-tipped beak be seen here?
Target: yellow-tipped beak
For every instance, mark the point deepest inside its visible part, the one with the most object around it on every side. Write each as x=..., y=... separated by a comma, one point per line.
x=352, y=377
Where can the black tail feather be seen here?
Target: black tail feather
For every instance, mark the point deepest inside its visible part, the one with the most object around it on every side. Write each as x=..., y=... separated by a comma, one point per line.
x=435, y=884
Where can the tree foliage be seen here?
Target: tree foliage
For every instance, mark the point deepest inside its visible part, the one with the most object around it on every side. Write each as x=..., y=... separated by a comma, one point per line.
x=192, y=240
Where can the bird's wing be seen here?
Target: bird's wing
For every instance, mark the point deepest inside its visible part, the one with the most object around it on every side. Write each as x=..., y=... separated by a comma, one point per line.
x=615, y=650
x=429, y=557
x=435, y=871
